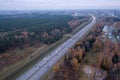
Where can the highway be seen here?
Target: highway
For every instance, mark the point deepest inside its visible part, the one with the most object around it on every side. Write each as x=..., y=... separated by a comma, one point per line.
x=39, y=69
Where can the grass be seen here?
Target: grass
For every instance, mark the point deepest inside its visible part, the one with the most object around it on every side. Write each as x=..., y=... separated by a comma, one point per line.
x=80, y=27
x=26, y=64
x=19, y=68
x=17, y=65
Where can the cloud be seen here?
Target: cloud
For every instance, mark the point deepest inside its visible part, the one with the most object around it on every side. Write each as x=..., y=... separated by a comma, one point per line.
x=58, y=4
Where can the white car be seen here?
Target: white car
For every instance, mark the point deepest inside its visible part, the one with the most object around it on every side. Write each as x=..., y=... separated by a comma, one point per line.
x=44, y=59
x=56, y=51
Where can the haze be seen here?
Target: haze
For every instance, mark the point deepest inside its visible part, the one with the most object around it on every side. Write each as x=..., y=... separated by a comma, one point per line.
x=58, y=4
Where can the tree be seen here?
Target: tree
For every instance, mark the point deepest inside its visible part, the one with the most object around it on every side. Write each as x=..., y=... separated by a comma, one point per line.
x=74, y=63
x=98, y=45
x=56, y=68
x=100, y=59
x=80, y=54
x=106, y=63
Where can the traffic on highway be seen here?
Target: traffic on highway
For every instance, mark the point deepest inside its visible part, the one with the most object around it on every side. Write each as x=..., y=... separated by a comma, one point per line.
x=39, y=69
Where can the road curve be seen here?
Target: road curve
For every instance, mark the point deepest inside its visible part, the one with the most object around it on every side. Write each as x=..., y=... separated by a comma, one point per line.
x=39, y=69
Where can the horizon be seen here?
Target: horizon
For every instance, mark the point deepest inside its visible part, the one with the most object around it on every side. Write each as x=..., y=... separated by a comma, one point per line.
x=55, y=9
x=58, y=5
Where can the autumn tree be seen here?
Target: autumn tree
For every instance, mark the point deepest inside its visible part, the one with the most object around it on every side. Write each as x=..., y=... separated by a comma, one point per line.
x=106, y=63
x=91, y=39
x=117, y=48
x=100, y=59
x=73, y=52
x=98, y=45
x=56, y=68
x=80, y=54
x=74, y=63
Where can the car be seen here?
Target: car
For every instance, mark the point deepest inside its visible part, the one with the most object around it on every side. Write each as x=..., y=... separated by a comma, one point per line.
x=56, y=51
x=44, y=58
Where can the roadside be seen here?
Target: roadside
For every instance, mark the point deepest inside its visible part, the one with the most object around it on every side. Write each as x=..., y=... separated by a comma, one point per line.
x=24, y=65
x=47, y=75
x=90, y=59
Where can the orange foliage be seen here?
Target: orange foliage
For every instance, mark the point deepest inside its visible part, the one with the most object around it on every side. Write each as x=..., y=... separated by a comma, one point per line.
x=97, y=45
x=74, y=62
x=73, y=52
x=107, y=62
x=80, y=54
x=99, y=59
x=65, y=74
x=78, y=43
x=56, y=68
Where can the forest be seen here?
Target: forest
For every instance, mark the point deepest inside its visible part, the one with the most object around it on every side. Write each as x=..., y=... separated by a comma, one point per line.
x=17, y=30
x=19, y=34
x=92, y=51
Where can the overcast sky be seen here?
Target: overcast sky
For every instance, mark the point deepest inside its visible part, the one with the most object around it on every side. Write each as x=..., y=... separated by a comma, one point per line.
x=58, y=4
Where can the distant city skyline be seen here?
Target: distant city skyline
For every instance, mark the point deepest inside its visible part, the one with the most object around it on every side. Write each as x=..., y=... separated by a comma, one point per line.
x=58, y=4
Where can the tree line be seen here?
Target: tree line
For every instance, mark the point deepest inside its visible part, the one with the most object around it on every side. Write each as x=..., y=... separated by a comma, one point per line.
x=70, y=67
x=47, y=29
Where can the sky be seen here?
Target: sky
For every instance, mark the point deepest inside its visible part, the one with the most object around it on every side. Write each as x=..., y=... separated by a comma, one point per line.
x=58, y=4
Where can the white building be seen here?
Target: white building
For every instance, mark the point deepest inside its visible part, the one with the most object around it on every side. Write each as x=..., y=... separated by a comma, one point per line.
x=105, y=30
x=108, y=31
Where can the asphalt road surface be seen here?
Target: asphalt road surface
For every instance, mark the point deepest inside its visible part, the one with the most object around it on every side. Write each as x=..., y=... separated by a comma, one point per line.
x=39, y=69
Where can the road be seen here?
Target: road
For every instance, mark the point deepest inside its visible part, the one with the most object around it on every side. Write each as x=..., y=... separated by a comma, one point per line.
x=39, y=69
